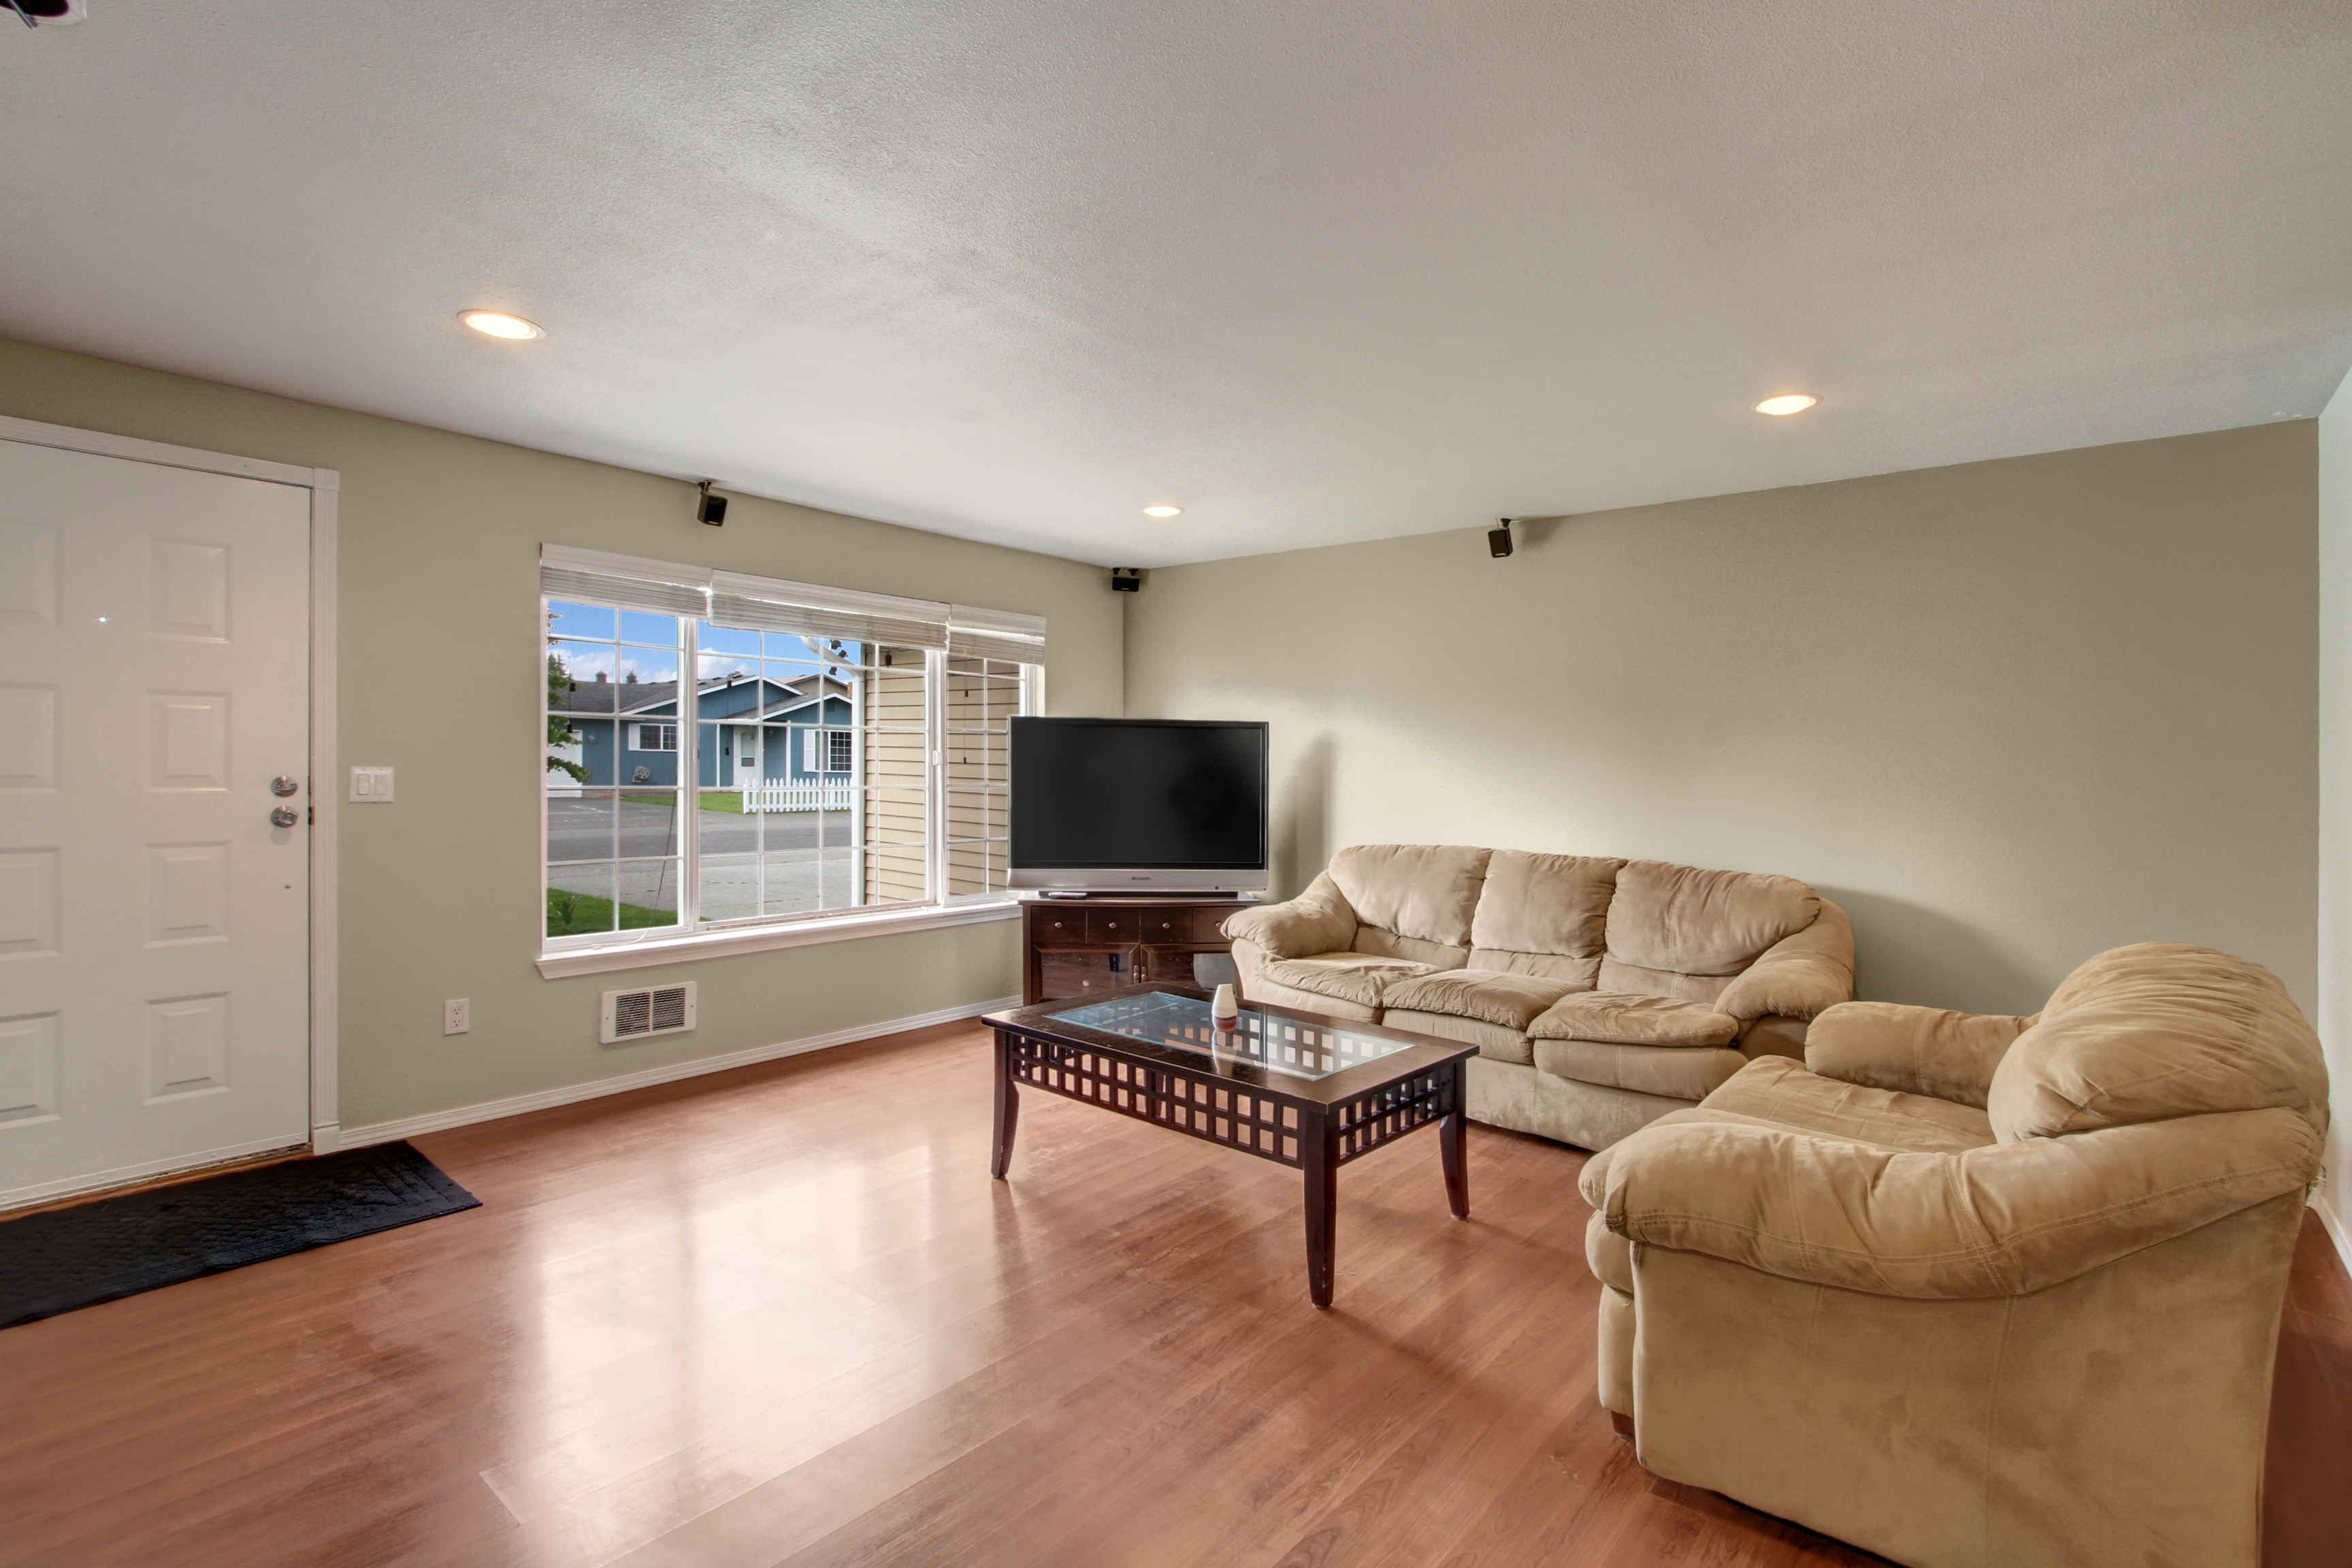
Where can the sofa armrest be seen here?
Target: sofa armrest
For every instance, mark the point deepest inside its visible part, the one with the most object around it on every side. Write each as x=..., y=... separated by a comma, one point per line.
x=1912, y=1050
x=1798, y=976
x=2004, y=1220
x=1318, y=921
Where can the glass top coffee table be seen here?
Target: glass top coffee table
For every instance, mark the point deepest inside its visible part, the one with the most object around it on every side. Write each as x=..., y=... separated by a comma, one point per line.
x=1293, y=1087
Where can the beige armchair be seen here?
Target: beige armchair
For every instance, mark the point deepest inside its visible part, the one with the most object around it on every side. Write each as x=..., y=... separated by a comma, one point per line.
x=1978, y=1290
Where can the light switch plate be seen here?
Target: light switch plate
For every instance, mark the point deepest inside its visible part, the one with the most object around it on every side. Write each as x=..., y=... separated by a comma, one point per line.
x=370, y=786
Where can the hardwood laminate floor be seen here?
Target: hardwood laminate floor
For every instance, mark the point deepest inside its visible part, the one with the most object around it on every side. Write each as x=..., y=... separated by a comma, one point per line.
x=782, y=1316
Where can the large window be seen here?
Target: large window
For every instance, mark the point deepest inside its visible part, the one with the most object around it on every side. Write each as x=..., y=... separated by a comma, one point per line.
x=724, y=748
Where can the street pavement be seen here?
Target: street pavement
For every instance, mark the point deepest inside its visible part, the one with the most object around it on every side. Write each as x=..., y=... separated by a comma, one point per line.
x=762, y=863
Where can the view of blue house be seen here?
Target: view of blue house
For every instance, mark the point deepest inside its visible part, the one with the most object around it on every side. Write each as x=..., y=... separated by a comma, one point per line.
x=756, y=732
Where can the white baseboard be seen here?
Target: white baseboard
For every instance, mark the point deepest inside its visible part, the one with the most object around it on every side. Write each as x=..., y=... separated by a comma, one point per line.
x=597, y=1088
x=2334, y=1228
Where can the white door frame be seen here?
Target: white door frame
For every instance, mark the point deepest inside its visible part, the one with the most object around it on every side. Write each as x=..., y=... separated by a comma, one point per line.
x=324, y=484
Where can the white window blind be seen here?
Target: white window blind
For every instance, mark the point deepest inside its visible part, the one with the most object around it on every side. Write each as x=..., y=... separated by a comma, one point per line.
x=996, y=634
x=625, y=581
x=772, y=605
x=750, y=603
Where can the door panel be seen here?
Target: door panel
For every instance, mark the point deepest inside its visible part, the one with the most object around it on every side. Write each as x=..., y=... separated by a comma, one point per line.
x=154, y=655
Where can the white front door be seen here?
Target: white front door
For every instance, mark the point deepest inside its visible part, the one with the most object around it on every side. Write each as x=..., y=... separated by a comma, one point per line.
x=155, y=657
x=747, y=757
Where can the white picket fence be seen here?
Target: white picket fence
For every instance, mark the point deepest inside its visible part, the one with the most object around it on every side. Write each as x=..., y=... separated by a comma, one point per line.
x=800, y=797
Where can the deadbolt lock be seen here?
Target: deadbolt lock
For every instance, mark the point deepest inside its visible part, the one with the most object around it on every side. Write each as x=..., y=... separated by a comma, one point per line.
x=283, y=785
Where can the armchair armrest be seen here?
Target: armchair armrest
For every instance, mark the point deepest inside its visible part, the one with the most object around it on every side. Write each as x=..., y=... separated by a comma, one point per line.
x=2004, y=1220
x=1912, y=1050
x=1798, y=976
x=1318, y=921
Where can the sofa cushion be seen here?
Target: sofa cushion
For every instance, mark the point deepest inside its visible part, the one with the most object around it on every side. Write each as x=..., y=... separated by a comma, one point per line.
x=1616, y=1017
x=1508, y=1000
x=1677, y=1071
x=1782, y=1092
x=1346, y=976
x=1774, y=1091
x=1544, y=904
x=1580, y=972
x=1495, y=1042
x=1524, y=1097
x=1634, y=980
x=1411, y=948
x=1426, y=891
x=1692, y=921
x=2154, y=1031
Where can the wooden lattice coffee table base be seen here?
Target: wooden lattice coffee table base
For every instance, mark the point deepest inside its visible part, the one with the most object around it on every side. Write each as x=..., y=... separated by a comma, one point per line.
x=1312, y=1125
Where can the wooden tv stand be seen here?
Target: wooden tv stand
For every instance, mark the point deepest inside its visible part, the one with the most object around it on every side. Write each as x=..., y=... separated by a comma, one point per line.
x=1075, y=947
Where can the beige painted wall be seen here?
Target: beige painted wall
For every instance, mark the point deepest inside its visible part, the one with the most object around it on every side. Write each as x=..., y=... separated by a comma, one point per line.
x=2010, y=713
x=441, y=678
x=2336, y=800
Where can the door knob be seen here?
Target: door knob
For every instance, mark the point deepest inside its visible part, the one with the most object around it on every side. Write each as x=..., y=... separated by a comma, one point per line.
x=282, y=784
x=284, y=816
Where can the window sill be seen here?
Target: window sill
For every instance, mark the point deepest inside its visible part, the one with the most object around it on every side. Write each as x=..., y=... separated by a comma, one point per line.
x=767, y=939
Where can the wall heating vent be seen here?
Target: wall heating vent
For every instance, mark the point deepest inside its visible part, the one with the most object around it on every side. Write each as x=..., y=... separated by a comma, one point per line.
x=661, y=1010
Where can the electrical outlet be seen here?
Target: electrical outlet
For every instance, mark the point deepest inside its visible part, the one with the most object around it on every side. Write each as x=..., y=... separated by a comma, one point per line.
x=457, y=1015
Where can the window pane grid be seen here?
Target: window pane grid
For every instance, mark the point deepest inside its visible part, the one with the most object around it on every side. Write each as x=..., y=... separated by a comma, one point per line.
x=803, y=777
x=612, y=842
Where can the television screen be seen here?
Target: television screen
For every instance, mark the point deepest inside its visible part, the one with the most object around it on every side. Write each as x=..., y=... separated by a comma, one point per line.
x=1139, y=795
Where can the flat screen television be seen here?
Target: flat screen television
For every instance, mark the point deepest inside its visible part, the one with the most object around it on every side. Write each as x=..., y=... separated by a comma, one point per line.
x=1139, y=804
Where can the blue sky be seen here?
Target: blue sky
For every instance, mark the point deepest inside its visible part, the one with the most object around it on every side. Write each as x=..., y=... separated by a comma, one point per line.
x=618, y=644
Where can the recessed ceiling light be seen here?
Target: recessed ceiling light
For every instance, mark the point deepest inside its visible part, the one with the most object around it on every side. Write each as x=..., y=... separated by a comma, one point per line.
x=1164, y=511
x=499, y=324
x=1788, y=403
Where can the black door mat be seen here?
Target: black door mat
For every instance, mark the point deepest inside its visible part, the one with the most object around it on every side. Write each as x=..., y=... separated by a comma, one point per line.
x=62, y=1259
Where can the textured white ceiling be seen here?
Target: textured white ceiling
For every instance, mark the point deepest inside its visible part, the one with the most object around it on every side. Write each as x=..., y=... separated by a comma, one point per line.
x=1316, y=271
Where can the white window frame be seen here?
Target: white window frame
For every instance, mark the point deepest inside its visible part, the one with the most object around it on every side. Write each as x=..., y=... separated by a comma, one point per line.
x=693, y=937
x=661, y=732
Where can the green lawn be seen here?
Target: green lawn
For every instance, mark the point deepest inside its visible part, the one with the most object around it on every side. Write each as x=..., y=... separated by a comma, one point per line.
x=571, y=914
x=712, y=800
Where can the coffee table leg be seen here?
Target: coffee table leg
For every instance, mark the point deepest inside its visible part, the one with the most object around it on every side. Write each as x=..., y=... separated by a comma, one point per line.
x=1322, y=1162
x=1008, y=1107
x=1450, y=1153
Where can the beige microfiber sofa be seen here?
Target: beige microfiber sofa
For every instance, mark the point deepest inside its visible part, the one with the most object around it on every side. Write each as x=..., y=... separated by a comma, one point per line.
x=1601, y=994
x=1979, y=1290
